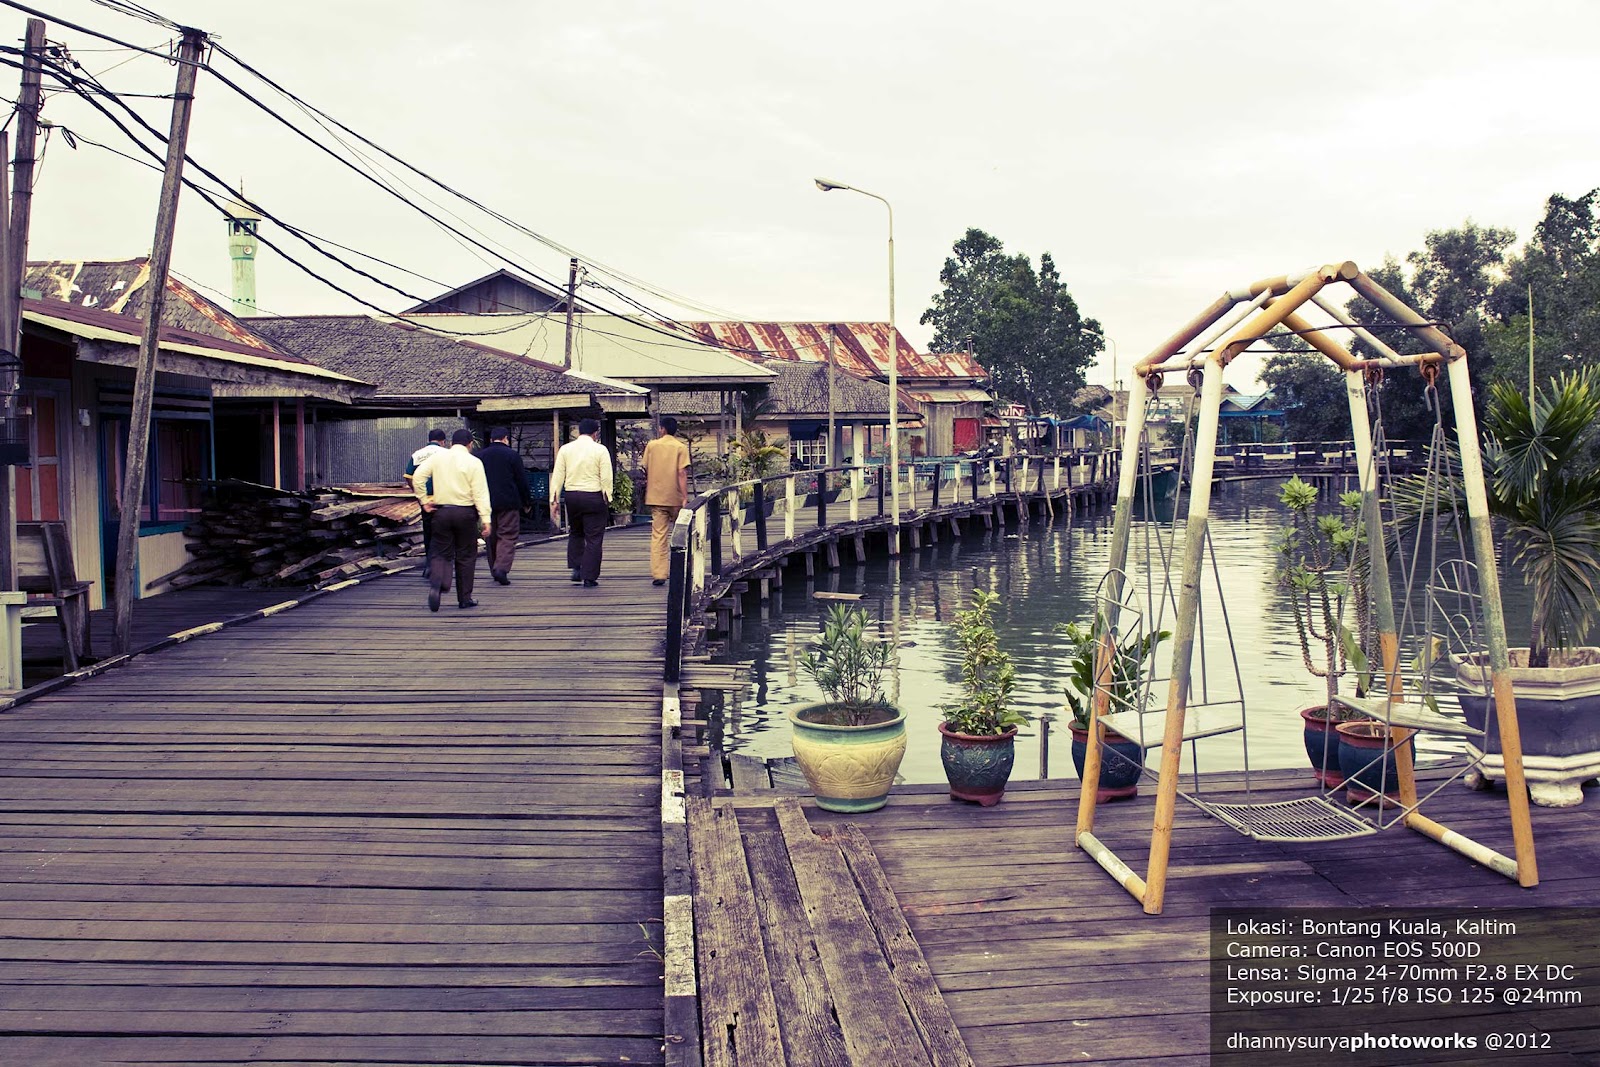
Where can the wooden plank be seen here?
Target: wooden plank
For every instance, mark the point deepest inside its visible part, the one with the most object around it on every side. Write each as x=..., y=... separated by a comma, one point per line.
x=908, y=967
x=878, y=1028
x=738, y=1014
x=811, y=1032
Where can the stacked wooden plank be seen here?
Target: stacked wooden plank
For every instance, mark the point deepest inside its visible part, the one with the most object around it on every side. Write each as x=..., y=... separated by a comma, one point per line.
x=257, y=536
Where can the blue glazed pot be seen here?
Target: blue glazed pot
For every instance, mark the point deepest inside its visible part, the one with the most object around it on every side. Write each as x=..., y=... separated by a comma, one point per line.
x=1322, y=746
x=1120, y=765
x=977, y=765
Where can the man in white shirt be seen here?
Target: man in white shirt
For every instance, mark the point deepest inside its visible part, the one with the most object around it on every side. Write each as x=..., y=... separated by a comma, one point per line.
x=583, y=470
x=436, y=444
x=453, y=489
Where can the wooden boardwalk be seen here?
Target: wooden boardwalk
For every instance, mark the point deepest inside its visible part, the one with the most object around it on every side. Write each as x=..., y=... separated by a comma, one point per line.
x=1043, y=960
x=353, y=832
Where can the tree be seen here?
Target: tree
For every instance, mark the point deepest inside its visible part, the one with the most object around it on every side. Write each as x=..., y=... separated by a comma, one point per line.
x=1308, y=388
x=1561, y=263
x=1021, y=324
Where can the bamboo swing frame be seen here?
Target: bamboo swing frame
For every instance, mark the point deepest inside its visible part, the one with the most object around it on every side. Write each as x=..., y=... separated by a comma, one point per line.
x=1251, y=312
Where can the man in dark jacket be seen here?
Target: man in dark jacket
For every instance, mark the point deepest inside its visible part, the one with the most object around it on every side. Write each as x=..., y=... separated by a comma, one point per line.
x=509, y=497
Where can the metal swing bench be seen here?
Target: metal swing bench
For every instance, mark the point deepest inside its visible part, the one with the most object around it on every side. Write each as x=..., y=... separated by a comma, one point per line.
x=1251, y=312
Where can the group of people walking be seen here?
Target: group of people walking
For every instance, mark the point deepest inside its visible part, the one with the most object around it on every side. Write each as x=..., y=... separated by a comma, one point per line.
x=466, y=494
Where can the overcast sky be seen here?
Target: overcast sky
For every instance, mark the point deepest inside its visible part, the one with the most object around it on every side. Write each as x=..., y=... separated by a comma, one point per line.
x=1161, y=152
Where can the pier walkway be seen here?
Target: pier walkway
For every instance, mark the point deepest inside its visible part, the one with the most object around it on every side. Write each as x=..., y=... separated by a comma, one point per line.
x=351, y=832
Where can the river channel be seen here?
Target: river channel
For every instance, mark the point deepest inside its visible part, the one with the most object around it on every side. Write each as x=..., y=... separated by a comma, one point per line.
x=1048, y=575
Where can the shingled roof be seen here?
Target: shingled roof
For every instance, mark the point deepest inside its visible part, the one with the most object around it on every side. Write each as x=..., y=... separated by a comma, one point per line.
x=406, y=363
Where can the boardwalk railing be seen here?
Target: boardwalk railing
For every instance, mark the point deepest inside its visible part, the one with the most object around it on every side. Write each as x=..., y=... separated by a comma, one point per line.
x=726, y=531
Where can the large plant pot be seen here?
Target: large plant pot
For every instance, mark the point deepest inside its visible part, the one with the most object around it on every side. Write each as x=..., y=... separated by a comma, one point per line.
x=1121, y=764
x=1558, y=719
x=849, y=768
x=1367, y=760
x=1322, y=746
x=978, y=766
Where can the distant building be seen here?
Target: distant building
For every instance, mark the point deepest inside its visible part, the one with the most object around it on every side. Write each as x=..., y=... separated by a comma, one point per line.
x=946, y=388
x=497, y=294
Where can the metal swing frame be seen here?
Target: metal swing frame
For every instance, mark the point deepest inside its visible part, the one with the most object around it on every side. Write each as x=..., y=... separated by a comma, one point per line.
x=1251, y=312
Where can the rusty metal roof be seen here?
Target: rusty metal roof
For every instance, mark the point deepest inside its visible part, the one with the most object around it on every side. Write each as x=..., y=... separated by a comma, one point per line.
x=950, y=396
x=861, y=348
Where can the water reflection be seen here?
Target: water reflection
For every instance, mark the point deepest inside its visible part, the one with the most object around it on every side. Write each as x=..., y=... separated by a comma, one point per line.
x=1047, y=575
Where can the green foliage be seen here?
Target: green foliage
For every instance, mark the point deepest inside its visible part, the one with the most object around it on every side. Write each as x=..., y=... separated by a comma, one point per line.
x=848, y=663
x=1124, y=681
x=621, y=492
x=1323, y=563
x=1021, y=324
x=752, y=457
x=1550, y=500
x=1311, y=393
x=987, y=674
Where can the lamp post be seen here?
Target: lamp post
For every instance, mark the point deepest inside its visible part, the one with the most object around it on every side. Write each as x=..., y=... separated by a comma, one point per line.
x=894, y=371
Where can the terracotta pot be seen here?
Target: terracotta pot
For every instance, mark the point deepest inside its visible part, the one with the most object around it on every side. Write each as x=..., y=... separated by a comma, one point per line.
x=1366, y=756
x=1322, y=746
x=849, y=768
x=978, y=766
x=1121, y=764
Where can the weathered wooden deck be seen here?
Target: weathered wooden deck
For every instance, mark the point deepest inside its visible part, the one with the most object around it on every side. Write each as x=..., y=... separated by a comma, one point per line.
x=1042, y=959
x=352, y=832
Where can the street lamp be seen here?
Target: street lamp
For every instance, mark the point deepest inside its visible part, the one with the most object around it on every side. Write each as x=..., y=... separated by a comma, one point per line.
x=894, y=370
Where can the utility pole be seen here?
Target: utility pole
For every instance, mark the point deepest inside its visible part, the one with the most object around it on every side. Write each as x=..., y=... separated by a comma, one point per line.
x=833, y=337
x=144, y=380
x=16, y=259
x=572, y=298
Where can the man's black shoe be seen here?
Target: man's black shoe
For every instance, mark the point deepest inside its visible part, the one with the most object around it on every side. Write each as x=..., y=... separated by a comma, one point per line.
x=501, y=577
x=467, y=604
x=433, y=600
x=658, y=581
x=590, y=583
x=577, y=575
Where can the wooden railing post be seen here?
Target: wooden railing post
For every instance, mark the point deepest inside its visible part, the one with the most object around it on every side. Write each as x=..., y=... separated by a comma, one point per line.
x=677, y=595
x=713, y=511
x=760, y=502
x=822, y=499
x=735, y=508
x=911, y=488
x=1057, y=485
x=938, y=477
x=856, y=485
x=788, y=508
x=992, y=489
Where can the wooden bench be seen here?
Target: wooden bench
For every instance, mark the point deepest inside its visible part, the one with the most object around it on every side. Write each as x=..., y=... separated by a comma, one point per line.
x=46, y=573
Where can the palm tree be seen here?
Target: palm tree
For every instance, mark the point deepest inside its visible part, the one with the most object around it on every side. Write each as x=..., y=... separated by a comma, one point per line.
x=1548, y=494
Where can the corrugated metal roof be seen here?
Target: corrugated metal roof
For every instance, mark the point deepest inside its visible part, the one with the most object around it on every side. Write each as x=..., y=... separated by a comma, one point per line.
x=951, y=396
x=859, y=347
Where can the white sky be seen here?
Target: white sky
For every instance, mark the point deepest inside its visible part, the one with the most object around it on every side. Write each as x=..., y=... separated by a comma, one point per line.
x=1161, y=151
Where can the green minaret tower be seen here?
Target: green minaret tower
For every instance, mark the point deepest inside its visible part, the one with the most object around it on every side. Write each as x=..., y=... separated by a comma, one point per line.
x=243, y=221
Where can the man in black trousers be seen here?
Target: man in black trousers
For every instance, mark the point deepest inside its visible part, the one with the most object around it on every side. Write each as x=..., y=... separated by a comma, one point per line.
x=450, y=485
x=583, y=470
x=509, y=497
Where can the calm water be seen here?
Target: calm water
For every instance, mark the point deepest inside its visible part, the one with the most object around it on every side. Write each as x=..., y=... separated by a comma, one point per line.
x=1045, y=578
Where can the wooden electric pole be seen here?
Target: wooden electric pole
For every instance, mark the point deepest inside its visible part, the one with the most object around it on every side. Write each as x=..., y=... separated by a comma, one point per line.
x=15, y=251
x=572, y=298
x=144, y=381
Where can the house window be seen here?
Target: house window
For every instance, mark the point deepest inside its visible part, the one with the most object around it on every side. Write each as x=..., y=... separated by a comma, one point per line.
x=177, y=466
x=813, y=453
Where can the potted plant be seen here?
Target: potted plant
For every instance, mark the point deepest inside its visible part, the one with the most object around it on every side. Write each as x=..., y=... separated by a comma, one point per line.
x=1321, y=565
x=978, y=735
x=1544, y=489
x=849, y=747
x=621, y=496
x=1123, y=761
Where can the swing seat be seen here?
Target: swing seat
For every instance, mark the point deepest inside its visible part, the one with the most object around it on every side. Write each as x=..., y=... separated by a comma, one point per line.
x=1314, y=818
x=1150, y=727
x=1407, y=716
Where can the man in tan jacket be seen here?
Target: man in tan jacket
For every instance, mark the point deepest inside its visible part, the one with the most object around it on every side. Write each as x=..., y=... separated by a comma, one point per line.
x=666, y=487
